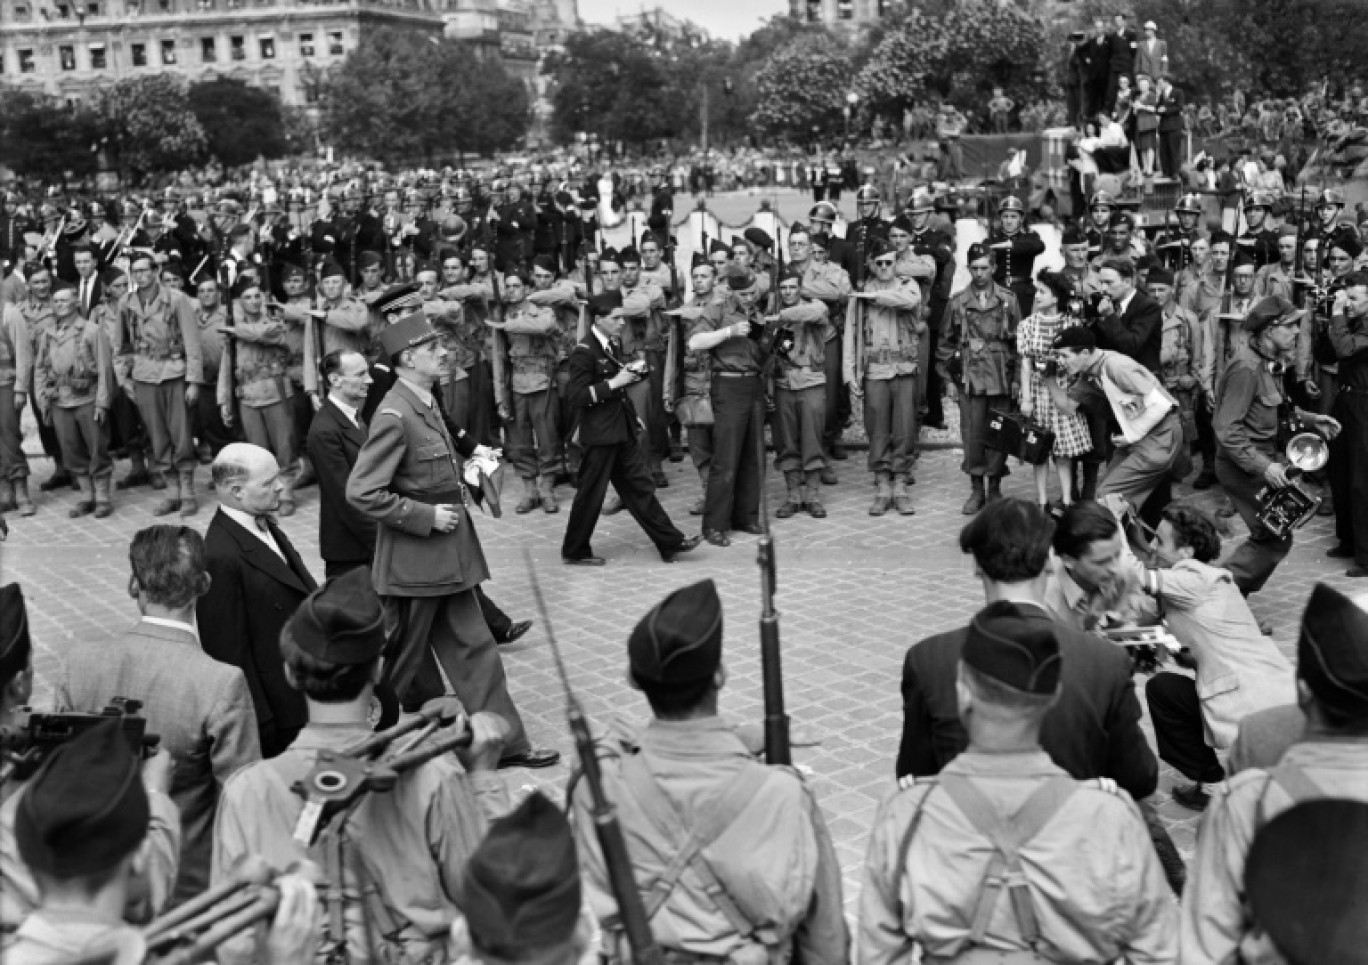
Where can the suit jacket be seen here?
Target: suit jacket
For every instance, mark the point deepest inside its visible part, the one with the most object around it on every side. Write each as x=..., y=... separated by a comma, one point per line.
x=407, y=466
x=345, y=534
x=96, y=297
x=201, y=709
x=1151, y=61
x=1137, y=332
x=252, y=594
x=1123, y=47
x=1170, y=110
x=1094, y=730
x=606, y=415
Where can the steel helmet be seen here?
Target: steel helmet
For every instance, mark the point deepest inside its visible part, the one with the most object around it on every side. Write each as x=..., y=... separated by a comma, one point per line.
x=822, y=211
x=1102, y=199
x=1188, y=204
x=1330, y=197
x=867, y=194
x=1011, y=203
x=1259, y=199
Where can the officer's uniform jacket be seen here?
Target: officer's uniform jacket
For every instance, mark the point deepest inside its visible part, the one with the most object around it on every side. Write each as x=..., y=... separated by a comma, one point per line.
x=261, y=375
x=410, y=464
x=829, y=284
x=659, y=276
x=1095, y=882
x=16, y=349
x=1248, y=401
x=696, y=367
x=1174, y=248
x=162, y=338
x=981, y=325
x=882, y=335
x=805, y=366
x=346, y=328
x=458, y=314
x=73, y=367
x=38, y=316
x=1014, y=265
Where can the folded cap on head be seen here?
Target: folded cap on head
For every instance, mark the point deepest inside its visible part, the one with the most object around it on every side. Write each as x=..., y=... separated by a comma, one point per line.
x=369, y=259
x=698, y=258
x=341, y=622
x=1332, y=652
x=1074, y=235
x=1160, y=276
x=1078, y=337
x=610, y=254
x=1005, y=642
x=680, y=639
x=629, y=256
x=331, y=269
x=717, y=245
x=738, y=276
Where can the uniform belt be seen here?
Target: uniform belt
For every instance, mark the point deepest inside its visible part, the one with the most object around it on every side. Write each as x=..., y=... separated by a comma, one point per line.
x=451, y=496
x=736, y=375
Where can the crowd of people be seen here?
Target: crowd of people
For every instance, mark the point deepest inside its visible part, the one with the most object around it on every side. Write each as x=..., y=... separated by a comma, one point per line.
x=405, y=341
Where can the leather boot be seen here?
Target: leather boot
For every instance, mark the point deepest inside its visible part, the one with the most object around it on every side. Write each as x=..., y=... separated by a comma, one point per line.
x=85, y=505
x=546, y=492
x=171, y=502
x=794, y=501
x=189, y=502
x=529, y=499
x=59, y=478
x=902, y=499
x=883, y=494
x=104, y=507
x=994, y=488
x=7, y=496
x=137, y=471
x=976, y=498
x=288, y=483
x=21, y=497
x=814, y=494
x=696, y=508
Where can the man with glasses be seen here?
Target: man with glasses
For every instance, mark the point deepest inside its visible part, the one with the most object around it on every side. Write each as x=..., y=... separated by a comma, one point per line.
x=157, y=357
x=883, y=340
x=978, y=357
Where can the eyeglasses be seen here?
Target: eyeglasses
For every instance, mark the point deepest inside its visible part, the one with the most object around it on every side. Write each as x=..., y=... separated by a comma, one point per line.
x=883, y=263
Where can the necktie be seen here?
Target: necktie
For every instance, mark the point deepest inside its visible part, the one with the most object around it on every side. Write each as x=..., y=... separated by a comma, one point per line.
x=263, y=523
x=85, y=295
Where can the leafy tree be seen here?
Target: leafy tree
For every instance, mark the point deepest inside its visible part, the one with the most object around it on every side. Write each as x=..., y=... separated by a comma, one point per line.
x=612, y=84
x=802, y=87
x=902, y=65
x=40, y=137
x=149, y=124
x=242, y=122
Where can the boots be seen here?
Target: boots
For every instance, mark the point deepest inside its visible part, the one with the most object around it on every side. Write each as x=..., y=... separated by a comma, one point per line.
x=1089, y=488
x=883, y=494
x=288, y=482
x=137, y=471
x=902, y=499
x=7, y=496
x=86, y=504
x=171, y=502
x=794, y=501
x=103, y=506
x=546, y=490
x=976, y=498
x=59, y=478
x=189, y=503
x=307, y=476
x=814, y=493
x=21, y=497
x=994, y=488
x=529, y=499
x=696, y=508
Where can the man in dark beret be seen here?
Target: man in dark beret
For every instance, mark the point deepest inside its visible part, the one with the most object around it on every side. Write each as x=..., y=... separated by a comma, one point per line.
x=1328, y=760
x=1087, y=879
x=411, y=843
x=761, y=838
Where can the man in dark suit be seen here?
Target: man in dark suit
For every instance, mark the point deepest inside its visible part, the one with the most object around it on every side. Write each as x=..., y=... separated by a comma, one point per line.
x=1123, y=43
x=89, y=288
x=1130, y=321
x=1099, y=64
x=608, y=426
x=1170, y=110
x=257, y=582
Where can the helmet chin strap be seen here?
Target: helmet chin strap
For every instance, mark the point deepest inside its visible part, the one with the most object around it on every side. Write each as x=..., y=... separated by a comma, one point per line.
x=1276, y=366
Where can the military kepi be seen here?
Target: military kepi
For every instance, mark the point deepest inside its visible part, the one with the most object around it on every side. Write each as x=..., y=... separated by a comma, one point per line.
x=86, y=809
x=1332, y=652
x=1006, y=644
x=408, y=332
x=341, y=622
x=680, y=640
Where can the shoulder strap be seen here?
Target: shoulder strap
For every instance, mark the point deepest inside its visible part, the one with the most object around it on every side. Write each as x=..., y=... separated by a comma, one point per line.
x=689, y=840
x=927, y=784
x=1296, y=784
x=1009, y=836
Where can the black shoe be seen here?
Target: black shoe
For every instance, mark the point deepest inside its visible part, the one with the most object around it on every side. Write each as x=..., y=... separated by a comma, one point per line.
x=584, y=560
x=838, y=453
x=515, y=630
x=1340, y=552
x=1193, y=797
x=1356, y=572
x=137, y=477
x=532, y=757
x=716, y=538
x=661, y=482
x=57, y=480
x=690, y=542
x=753, y=528
x=1204, y=480
x=676, y=452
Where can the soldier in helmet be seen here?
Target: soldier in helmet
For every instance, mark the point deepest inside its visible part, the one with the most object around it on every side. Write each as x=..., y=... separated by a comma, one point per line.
x=1258, y=239
x=862, y=233
x=1100, y=208
x=1016, y=249
x=1328, y=229
x=1174, y=245
x=822, y=217
x=929, y=239
x=662, y=204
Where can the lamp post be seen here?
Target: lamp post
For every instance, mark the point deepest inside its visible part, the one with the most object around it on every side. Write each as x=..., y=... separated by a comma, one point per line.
x=851, y=100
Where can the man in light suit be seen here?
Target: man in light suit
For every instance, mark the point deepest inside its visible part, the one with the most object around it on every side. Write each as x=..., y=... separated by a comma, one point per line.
x=1152, y=56
x=258, y=582
x=201, y=708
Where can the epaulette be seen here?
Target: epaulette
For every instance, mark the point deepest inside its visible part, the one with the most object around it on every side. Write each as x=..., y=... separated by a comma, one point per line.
x=912, y=780
x=394, y=412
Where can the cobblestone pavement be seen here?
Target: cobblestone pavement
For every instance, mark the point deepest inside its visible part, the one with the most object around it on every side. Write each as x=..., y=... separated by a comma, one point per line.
x=854, y=593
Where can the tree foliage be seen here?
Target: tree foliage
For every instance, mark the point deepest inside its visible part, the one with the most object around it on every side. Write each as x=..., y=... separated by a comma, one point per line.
x=40, y=137
x=149, y=124
x=803, y=86
x=399, y=96
x=242, y=122
x=612, y=84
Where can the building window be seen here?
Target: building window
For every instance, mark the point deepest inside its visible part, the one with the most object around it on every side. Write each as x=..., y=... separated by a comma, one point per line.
x=72, y=103
x=306, y=48
x=814, y=11
x=139, y=54
x=97, y=57
x=845, y=9
x=165, y=5
x=26, y=60
x=133, y=7
x=884, y=7
x=205, y=4
x=237, y=48
x=268, y=48
x=168, y=51
x=63, y=11
x=67, y=55
x=335, y=43
x=21, y=11
x=92, y=9
x=207, y=50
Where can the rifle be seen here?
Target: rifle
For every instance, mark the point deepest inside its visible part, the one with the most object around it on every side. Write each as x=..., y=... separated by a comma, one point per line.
x=503, y=400
x=229, y=338
x=777, y=749
x=616, y=858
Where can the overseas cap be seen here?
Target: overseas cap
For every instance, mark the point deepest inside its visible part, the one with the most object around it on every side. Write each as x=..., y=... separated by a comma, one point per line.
x=680, y=640
x=1332, y=651
x=716, y=245
x=342, y=621
x=1006, y=644
x=629, y=256
x=738, y=276
x=369, y=259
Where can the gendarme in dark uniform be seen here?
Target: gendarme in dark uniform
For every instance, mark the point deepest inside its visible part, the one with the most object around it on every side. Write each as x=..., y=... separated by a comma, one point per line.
x=1015, y=249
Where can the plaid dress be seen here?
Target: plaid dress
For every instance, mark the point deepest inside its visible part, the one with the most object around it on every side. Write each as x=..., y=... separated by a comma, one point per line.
x=1034, y=337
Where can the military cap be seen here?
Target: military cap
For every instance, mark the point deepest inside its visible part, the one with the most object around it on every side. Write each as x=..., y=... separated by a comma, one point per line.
x=977, y=251
x=369, y=259
x=565, y=199
x=1266, y=312
x=397, y=302
x=292, y=271
x=791, y=273
x=1121, y=218
x=603, y=304
x=1005, y=642
x=1347, y=244
x=1151, y=25
x=698, y=259
x=648, y=236
x=902, y=223
x=798, y=228
x=1221, y=236
x=1189, y=203
x=680, y=639
x=86, y=809
x=1011, y=203
x=921, y=200
x=62, y=285
x=1259, y=199
x=629, y=256
x=1288, y=231
x=879, y=247
x=610, y=254
x=331, y=269
x=1332, y=652
x=407, y=332
x=758, y=237
x=585, y=249
x=822, y=211
x=341, y=622
x=14, y=629
x=1243, y=259
x=1102, y=199
x=1330, y=196
x=1079, y=337
x=245, y=283
x=1160, y=276
x=1073, y=235
x=426, y=266
x=545, y=263
x=718, y=245
x=737, y=276
x=520, y=890
x=1307, y=881
x=111, y=275
x=866, y=194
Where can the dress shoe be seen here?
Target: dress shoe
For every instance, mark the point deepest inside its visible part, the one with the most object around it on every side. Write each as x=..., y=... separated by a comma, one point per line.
x=1194, y=797
x=532, y=757
x=1356, y=572
x=1205, y=480
x=690, y=542
x=838, y=453
x=584, y=560
x=57, y=480
x=676, y=451
x=829, y=476
x=515, y=630
x=753, y=529
x=1340, y=552
x=716, y=538
x=661, y=482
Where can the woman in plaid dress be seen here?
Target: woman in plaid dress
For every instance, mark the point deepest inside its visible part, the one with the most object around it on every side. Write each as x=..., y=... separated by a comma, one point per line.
x=1034, y=336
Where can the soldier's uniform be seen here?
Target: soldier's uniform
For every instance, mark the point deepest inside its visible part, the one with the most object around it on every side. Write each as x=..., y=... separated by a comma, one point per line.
x=662, y=208
x=1180, y=361
x=932, y=241
x=211, y=433
x=800, y=404
x=644, y=338
x=16, y=367
x=1014, y=267
x=561, y=300
x=828, y=283
x=1349, y=450
x=160, y=358
x=694, y=404
x=1174, y=244
x=344, y=327
x=74, y=386
x=532, y=439
x=458, y=314
x=39, y=318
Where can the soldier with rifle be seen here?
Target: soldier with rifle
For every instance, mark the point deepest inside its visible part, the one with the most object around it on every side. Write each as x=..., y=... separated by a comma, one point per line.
x=1174, y=245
